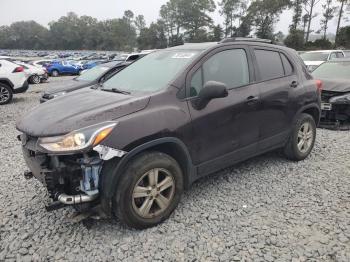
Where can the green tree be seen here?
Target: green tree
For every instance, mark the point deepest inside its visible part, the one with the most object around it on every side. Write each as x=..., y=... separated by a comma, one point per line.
x=295, y=39
x=343, y=3
x=228, y=10
x=172, y=15
x=196, y=19
x=140, y=22
x=309, y=6
x=217, y=33
x=297, y=6
x=264, y=14
x=153, y=37
x=328, y=15
x=343, y=38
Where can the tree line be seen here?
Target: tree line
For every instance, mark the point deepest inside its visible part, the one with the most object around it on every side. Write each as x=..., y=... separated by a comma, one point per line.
x=184, y=21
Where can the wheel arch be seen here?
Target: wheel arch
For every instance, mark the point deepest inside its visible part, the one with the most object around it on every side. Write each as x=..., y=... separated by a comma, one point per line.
x=6, y=81
x=172, y=146
x=313, y=110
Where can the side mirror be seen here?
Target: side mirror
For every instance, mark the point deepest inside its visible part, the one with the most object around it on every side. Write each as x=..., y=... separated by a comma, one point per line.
x=211, y=90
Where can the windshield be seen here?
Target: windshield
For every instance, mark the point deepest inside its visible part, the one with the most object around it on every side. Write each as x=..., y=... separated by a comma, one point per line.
x=319, y=56
x=153, y=72
x=92, y=74
x=333, y=70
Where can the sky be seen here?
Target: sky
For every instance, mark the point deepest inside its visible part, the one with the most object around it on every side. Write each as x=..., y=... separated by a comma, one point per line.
x=44, y=11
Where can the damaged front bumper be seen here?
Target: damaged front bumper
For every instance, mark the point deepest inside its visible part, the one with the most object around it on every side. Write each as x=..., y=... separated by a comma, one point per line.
x=70, y=179
x=335, y=111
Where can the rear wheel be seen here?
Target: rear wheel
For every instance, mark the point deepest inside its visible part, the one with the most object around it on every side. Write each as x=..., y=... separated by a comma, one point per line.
x=302, y=139
x=34, y=79
x=5, y=94
x=55, y=73
x=149, y=190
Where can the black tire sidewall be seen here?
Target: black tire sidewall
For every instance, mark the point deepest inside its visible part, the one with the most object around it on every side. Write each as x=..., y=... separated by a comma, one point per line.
x=122, y=205
x=301, y=120
x=10, y=92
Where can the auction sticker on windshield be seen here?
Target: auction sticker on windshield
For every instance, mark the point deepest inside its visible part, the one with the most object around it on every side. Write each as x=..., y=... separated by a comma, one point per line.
x=183, y=55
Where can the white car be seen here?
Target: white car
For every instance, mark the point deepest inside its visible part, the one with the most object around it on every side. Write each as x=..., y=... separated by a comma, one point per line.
x=12, y=81
x=313, y=59
x=41, y=63
x=34, y=74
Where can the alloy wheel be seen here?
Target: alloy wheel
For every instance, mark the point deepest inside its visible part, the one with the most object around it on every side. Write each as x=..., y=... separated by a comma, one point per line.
x=4, y=95
x=153, y=193
x=305, y=137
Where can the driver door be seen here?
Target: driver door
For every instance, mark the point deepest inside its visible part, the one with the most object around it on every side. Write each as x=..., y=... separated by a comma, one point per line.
x=227, y=129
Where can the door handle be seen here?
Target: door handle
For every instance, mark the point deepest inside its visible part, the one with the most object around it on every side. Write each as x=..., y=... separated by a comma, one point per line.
x=251, y=100
x=294, y=84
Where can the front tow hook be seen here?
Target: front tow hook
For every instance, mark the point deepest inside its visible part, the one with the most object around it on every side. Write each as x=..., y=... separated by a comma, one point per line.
x=28, y=175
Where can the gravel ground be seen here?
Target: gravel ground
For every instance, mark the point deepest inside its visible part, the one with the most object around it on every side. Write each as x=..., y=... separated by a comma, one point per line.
x=265, y=209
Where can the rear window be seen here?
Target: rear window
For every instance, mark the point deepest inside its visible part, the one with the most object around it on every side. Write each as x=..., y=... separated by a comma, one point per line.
x=269, y=64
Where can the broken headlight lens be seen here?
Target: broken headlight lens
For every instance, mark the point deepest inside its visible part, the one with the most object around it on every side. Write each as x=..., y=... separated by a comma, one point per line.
x=78, y=140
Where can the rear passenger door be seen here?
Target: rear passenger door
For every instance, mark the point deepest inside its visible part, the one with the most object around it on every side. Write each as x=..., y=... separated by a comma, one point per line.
x=276, y=78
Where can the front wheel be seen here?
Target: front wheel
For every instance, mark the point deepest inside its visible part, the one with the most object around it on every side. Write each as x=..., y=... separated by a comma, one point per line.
x=149, y=190
x=5, y=94
x=302, y=139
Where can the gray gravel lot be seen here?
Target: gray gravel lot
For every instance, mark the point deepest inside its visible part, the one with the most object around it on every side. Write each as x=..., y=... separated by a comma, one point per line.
x=265, y=209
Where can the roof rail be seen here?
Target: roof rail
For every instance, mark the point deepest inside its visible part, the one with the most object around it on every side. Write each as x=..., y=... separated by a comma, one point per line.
x=247, y=39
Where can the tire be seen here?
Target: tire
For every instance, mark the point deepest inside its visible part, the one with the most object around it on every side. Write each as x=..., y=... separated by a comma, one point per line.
x=6, y=94
x=304, y=129
x=55, y=73
x=130, y=205
x=34, y=79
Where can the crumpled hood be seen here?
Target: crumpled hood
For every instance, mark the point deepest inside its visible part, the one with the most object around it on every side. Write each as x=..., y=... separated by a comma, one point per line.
x=336, y=85
x=77, y=110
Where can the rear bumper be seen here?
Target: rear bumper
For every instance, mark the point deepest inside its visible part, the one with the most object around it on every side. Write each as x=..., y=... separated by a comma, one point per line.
x=22, y=89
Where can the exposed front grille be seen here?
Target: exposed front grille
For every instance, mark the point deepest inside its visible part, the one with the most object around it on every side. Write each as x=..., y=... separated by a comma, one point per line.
x=326, y=95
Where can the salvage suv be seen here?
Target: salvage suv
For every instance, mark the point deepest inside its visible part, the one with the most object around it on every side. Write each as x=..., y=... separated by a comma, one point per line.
x=129, y=148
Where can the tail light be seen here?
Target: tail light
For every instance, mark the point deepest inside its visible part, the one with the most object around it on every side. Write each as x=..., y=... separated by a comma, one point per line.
x=319, y=85
x=18, y=69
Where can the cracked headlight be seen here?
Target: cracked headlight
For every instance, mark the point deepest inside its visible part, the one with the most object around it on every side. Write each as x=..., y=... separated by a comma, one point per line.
x=78, y=140
x=344, y=99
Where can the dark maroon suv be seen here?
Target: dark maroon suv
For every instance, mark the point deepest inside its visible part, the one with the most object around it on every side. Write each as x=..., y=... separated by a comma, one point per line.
x=130, y=147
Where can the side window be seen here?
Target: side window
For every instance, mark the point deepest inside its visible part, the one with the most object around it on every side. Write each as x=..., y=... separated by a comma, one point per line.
x=288, y=68
x=269, y=64
x=229, y=67
x=339, y=55
x=332, y=56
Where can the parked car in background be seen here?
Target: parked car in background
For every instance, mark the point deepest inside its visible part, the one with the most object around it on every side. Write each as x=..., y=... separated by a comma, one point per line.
x=91, y=64
x=91, y=77
x=130, y=57
x=12, y=81
x=313, y=59
x=335, y=94
x=347, y=53
x=41, y=63
x=57, y=68
x=130, y=147
x=34, y=74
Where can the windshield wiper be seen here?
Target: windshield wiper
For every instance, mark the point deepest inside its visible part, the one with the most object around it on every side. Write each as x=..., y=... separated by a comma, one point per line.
x=116, y=90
